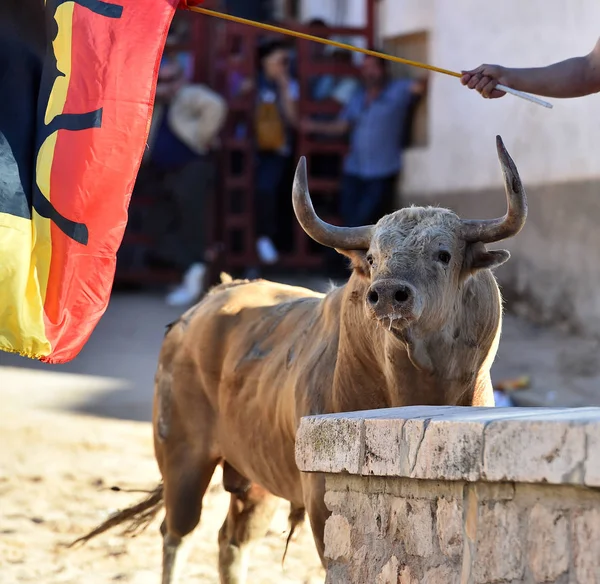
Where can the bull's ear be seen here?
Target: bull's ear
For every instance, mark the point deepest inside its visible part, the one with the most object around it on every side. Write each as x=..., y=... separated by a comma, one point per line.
x=479, y=258
x=358, y=259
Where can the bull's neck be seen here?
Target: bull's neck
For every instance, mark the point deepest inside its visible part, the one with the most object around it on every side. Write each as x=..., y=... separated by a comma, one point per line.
x=374, y=369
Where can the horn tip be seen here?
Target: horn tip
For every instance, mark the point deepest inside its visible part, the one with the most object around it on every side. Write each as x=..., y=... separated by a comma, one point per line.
x=300, y=185
x=500, y=144
x=505, y=158
x=301, y=169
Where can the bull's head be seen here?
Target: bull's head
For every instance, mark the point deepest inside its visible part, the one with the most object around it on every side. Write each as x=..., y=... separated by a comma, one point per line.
x=416, y=259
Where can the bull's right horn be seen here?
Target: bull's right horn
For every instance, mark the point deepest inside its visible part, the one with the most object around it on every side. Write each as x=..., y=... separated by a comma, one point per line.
x=490, y=230
x=324, y=233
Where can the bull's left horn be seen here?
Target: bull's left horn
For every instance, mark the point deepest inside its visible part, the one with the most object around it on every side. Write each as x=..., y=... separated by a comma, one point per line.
x=490, y=230
x=324, y=233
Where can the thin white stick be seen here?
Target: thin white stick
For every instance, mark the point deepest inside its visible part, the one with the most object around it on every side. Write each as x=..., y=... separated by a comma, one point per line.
x=524, y=95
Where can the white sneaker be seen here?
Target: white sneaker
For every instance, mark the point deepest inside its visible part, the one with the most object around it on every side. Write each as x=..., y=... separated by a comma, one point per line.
x=191, y=287
x=266, y=250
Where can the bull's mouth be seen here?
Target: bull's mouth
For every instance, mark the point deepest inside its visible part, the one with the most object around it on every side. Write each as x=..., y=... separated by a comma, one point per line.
x=395, y=323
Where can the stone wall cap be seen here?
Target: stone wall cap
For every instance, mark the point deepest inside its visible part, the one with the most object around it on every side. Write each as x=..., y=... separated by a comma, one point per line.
x=531, y=445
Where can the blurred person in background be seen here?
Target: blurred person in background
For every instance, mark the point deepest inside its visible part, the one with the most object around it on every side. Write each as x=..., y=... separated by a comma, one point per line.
x=573, y=77
x=374, y=118
x=276, y=116
x=338, y=87
x=186, y=121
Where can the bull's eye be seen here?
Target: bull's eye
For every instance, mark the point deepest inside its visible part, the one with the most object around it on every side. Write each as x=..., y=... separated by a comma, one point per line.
x=370, y=260
x=444, y=257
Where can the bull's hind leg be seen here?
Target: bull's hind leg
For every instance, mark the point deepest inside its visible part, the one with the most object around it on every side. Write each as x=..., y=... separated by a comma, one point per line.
x=186, y=453
x=251, y=511
x=185, y=484
x=187, y=461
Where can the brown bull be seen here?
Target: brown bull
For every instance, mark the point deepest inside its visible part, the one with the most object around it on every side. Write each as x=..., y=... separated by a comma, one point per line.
x=418, y=323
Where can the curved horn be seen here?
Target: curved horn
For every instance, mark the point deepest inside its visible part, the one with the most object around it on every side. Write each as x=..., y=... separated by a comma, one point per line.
x=490, y=230
x=321, y=232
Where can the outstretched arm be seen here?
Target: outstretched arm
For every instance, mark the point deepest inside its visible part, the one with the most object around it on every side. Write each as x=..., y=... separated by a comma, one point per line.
x=574, y=77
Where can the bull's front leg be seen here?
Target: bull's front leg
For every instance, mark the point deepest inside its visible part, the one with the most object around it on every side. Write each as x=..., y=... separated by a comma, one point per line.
x=314, y=500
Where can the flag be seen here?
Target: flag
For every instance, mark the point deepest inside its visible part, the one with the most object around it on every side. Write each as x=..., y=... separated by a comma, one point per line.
x=74, y=120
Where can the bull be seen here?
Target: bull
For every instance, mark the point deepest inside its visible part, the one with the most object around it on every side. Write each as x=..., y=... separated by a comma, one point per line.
x=418, y=323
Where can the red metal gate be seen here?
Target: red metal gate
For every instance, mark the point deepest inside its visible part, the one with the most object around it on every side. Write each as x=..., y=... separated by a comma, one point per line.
x=220, y=49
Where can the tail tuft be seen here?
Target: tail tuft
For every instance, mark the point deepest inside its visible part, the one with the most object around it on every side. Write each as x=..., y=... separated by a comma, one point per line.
x=138, y=516
x=296, y=519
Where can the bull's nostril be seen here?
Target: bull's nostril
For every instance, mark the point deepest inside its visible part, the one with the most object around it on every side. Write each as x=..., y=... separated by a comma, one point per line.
x=373, y=297
x=401, y=295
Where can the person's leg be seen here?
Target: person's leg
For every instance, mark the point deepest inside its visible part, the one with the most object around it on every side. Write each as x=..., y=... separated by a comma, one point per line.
x=376, y=199
x=350, y=197
x=160, y=219
x=269, y=172
x=190, y=188
x=391, y=201
x=337, y=266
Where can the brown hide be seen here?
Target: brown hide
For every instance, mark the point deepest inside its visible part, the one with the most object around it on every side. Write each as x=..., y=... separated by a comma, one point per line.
x=238, y=371
x=255, y=358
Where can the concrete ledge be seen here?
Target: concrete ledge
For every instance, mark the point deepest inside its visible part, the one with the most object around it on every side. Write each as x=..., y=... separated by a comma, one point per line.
x=447, y=495
x=525, y=445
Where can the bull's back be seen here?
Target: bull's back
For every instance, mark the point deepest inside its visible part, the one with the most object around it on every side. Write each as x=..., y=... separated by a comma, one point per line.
x=241, y=332
x=235, y=351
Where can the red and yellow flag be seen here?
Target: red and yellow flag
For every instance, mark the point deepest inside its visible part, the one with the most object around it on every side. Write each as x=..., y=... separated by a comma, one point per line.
x=73, y=127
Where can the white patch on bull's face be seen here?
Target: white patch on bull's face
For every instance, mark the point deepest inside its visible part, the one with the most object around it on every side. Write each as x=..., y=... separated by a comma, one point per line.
x=415, y=262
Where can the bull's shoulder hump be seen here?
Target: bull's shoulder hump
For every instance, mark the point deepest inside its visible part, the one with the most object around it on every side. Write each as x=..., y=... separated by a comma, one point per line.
x=230, y=299
x=265, y=292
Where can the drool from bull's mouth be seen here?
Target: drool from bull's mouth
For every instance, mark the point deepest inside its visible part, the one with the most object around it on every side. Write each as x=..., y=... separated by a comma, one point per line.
x=238, y=371
x=393, y=322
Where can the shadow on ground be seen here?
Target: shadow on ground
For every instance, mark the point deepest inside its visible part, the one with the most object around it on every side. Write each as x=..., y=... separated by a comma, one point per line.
x=113, y=375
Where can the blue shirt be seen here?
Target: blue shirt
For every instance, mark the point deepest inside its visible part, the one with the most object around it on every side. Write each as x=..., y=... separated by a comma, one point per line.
x=377, y=130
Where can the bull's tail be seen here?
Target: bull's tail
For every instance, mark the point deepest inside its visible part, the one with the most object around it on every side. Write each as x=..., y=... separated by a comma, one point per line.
x=296, y=519
x=138, y=517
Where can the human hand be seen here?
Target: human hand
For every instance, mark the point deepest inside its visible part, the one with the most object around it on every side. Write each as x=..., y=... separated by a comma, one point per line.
x=485, y=78
x=278, y=66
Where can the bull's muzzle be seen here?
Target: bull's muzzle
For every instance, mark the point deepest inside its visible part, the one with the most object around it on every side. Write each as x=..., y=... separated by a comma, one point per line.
x=393, y=300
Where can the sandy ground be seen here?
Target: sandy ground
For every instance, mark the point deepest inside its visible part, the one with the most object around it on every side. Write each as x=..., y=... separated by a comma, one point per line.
x=56, y=471
x=70, y=432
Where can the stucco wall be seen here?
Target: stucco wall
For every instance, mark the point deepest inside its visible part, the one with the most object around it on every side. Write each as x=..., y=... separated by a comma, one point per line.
x=556, y=145
x=448, y=495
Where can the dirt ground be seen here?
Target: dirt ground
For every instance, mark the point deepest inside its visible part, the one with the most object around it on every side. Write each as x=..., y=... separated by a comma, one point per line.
x=70, y=432
x=56, y=471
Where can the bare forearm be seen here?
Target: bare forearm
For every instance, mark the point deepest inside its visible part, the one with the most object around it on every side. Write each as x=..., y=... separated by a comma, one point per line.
x=571, y=78
x=290, y=111
x=289, y=106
